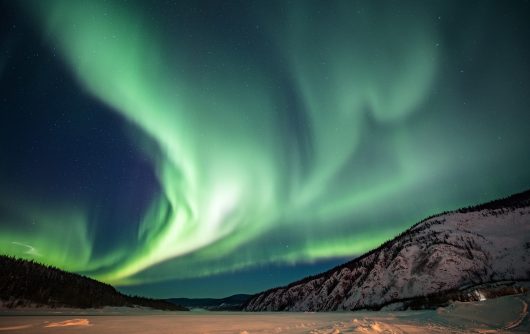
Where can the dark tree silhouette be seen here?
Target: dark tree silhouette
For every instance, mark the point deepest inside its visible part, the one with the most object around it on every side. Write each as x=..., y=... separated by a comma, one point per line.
x=24, y=282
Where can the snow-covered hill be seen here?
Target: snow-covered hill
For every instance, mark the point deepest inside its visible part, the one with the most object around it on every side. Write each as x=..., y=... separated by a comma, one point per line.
x=444, y=253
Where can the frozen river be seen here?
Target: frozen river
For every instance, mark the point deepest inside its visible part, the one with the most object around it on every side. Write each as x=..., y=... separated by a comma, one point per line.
x=507, y=314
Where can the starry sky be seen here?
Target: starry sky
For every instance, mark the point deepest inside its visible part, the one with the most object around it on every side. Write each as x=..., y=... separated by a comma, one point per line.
x=209, y=148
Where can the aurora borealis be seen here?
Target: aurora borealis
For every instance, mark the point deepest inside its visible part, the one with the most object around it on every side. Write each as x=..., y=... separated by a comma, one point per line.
x=152, y=143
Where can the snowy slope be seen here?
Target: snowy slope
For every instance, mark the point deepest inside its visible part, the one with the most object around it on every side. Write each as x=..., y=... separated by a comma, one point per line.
x=454, y=250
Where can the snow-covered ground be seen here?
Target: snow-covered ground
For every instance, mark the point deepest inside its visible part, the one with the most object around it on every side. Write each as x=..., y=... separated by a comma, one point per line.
x=502, y=315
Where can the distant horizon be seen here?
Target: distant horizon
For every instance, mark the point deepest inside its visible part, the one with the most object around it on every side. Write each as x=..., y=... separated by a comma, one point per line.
x=284, y=274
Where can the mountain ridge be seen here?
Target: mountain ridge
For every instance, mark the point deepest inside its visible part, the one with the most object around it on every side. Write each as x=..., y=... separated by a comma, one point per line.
x=289, y=297
x=230, y=303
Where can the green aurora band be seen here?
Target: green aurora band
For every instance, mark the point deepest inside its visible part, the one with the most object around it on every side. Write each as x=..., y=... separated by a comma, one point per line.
x=260, y=165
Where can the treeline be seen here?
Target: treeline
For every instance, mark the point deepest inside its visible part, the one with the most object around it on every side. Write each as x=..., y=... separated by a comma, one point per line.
x=24, y=282
x=443, y=299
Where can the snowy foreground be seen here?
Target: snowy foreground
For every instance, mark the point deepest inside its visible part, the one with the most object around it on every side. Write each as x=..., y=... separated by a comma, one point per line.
x=501, y=315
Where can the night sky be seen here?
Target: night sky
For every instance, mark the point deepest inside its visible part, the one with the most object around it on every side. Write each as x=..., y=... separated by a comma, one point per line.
x=218, y=147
